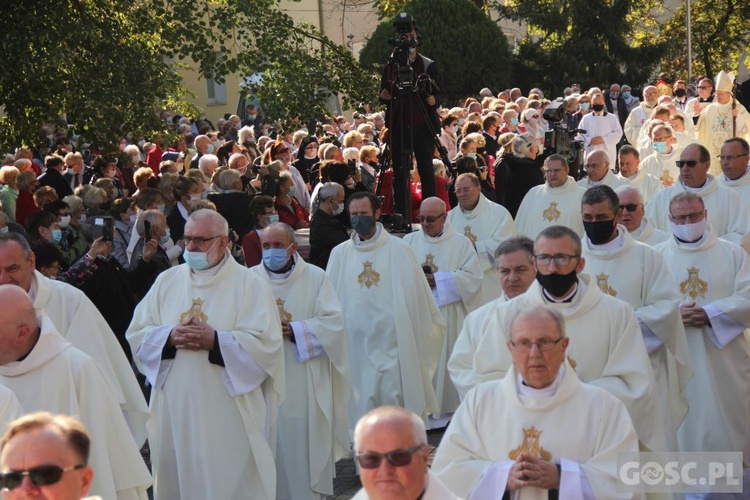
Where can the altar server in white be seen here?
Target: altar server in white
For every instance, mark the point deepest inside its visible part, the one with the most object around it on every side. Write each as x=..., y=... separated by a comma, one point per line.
x=713, y=277
x=636, y=273
x=312, y=427
x=485, y=223
x=728, y=214
x=453, y=272
x=514, y=259
x=734, y=166
x=632, y=216
x=539, y=428
x=600, y=130
x=556, y=202
x=76, y=318
x=393, y=325
x=635, y=176
x=208, y=338
x=47, y=373
x=608, y=349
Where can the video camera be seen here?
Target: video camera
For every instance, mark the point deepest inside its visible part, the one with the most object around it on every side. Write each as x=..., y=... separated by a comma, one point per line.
x=560, y=140
x=402, y=42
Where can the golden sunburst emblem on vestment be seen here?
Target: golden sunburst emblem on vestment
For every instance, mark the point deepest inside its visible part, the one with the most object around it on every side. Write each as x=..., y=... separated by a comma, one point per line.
x=551, y=214
x=602, y=280
x=368, y=276
x=195, y=311
x=694, y=285
x=531, y=446
x=429, y=261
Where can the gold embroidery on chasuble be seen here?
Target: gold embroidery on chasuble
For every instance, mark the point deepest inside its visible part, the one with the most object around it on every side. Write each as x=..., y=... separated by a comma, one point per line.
x=572, y=362
x=368, y=276
x=551, y=214
x=694, y=285
x=430, y=262
x=283, y=312
x=470, y=235
x=195, y=311
x=666, y=179
x=602, y=280
x=531, y=446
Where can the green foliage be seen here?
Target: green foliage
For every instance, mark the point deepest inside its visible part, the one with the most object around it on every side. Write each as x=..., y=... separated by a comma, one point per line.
x=591, y=42
x=469, y=49
x=389, y=8
x=720, y=33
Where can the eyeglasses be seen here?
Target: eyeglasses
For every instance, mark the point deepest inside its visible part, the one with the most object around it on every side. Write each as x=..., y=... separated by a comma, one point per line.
x=591, y=166
x=426, y=218
x=397, y=458
x=731, y=157
x=686, y=163
x=630, y=207
x=44, y=475
x=560, y=259
x=544, y=345
x=689, y=218
x=198, y=240
x=704, y=87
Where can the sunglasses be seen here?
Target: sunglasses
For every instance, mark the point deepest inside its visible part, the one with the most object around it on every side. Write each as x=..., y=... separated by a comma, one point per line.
x=397, y=458
x=630, y=207
x=686, y=163
x=44, y=475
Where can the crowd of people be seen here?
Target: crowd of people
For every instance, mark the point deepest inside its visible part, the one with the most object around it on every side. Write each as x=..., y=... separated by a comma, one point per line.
x=551, y=318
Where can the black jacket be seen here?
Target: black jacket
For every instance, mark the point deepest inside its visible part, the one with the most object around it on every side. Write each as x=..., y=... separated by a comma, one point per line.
x=325, y=233
x=514, y=177
x=234, y=206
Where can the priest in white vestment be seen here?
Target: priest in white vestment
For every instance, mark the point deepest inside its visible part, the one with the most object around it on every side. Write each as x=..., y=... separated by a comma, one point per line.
x=632, y=217
x=79, y=321
x=600, y=130
x=640, y=114
x=393, y=325
x=514, y=259
x=10, y=408
x=391, y=449
x=453, y=272
x=662, y=162
x=713, y=279
x=485, y=223
x=598, y=172
x=634, y=176
x=608, y=349
x=636, y=273
x=47, y=373
x=556, y=202
x=208, y=338
x=734, y=159
x=728, y=214
x=723, y=119
x=313, y=431
x=539, y=428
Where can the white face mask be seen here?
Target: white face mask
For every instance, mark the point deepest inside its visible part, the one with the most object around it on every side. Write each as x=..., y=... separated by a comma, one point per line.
x=689, y=232
x=64, y=222
x=338, y=210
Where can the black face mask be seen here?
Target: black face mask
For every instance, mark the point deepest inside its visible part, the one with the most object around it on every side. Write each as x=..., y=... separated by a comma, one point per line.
x=680, y=92
x=597, y=107
x=599, y=231
x=557, y=284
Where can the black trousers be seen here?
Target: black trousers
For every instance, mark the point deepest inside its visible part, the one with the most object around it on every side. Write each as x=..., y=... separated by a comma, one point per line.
x=423, y=148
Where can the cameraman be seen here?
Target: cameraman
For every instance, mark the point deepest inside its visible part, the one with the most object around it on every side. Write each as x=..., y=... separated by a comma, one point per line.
x=404, y=117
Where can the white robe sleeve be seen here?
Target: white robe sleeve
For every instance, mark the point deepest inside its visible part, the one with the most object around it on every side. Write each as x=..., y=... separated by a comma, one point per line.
x=307, y=346
x=723, y=328
x=573, y=481
x=242, y=374
x=652, y=341
x=446, y=290
x=149, y=353
x=492, y=484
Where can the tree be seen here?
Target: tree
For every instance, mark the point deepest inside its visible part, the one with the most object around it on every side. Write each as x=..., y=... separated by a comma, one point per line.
x=389, y=8
x=587, y=41
x=103, y=64
x=470, y=50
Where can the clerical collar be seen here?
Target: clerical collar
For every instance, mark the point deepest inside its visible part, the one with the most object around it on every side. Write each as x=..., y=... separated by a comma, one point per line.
x=567, y=298
x=695, y=190
x=615, y=244
x=738, y=178
x=358, y=241
x=285, y=272
x=544, y=392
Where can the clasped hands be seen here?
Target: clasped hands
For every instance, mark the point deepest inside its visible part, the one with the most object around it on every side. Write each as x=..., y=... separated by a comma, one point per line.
x=192, y=335
x=693, y=315
x=530, y=471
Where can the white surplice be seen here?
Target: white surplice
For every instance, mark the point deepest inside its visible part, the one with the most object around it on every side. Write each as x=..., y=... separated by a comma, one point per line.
x=581, y=427
x=488, y=225
x=607, y=126
x=210, y=421
x=606, y=349
x=635, y=121
x=636, y=273
x=645, y=183
x=715, y=275
x=78, y=320
x=609, y=179
x=313, y=430
x=648, y=234
x=545, y=206
x=458, y=291
x=393, y=325
x=10, y=408
x=59, y=378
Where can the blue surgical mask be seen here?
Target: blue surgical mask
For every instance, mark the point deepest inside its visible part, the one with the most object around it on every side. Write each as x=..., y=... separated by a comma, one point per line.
x=626, y=94
x=471, y=155
x=585, y=106
x=4, y=230
x=273, y=218
x=293, y=191
x=198, y=260
x=363, y=224
x=514, y=121
x=660, y=147
x=165, y=239
x=56, y=236
x=210, y=149
x=275, y=258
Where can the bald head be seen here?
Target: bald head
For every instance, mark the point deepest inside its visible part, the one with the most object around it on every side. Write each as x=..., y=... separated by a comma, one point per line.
x=279, y=231
x=597, y=164
x=432, y=215
x=19, y=328
x=408, y=423
x=432, y=203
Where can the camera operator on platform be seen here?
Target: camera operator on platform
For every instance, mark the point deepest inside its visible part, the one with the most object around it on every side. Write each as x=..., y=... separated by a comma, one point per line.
x=406, y=102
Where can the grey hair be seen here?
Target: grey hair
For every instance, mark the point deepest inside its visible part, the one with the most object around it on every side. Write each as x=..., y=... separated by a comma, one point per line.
x=75, y=203
x=94, y=197
x=244, y=134
x=22, y=242
x=234, y=159
x=205, y=160
x=535, y=310
x=515, y=244
x=328, y=190
x=227, y=179
x=522, y=144
x=630, y=189
x=685, y=197
x=216, y=218
x=152, y=216
x=557, y=232
x=25, y=178
x=290, y=234
x=391, y=414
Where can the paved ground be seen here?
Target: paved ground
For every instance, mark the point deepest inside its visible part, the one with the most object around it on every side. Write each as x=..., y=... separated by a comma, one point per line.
x=347, y=482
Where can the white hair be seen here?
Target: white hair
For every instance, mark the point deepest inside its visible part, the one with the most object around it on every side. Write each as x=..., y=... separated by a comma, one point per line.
x=131, y=150
x=227, y=179
x=351, y=154
x=218, y=222
x=244, y=134
x=630, y=189
x=206, y=160
x=392, y=414
x=537, y=310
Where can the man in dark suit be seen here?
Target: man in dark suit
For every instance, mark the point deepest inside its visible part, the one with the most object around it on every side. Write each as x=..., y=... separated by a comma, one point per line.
x=616, y=104
x=326, y=231
x=53, y=177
